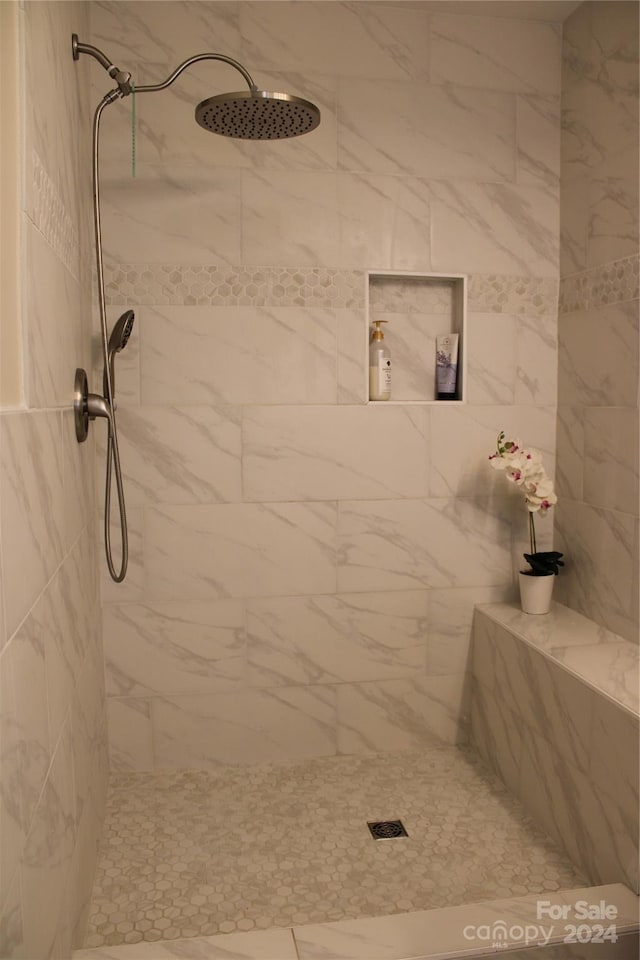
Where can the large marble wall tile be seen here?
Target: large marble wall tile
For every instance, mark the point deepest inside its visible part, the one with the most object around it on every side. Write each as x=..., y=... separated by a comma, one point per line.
x=602, y=568
x=538, y=136
x=352, y=336
x=559, y=707
x=338, y=452
x=367, y=206
x=421, y=130
x=391, y=43
x=78, y=480
x=52, y=305
x=613, y=208
x=611, y=458
x=56, y=104
x=527, y=59
x=449, y=621
x=130, y=734
x=496, y=733
x=180, y=454
x=574, y=629
x=26, y=654
x=574, y=223
x=588, y=824
x=570, y=447
x=257, y=726
x=290, y=218
x=387, y=715
x=596, y=122
x=615, y=28
x=612, y=667
x=89, y=736
x=615, y=756
x=585, y=338
x=159, y=32
x=240, y=550
x=448, y=706
x=13, y=820
x=30, y=510
x=490, y=348
x=194, y=355
x=500, y=662
x=462, y=468
x=411, y=241
x=537, y=361
x=409, y=544
x=185, y=214
x=343, y=638
x=82, y=875
x=11, y=922
x=47, y=854
x=173, y=648
x=494, y=228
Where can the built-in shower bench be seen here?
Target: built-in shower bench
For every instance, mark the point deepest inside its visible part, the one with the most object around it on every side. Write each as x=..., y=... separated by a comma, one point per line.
x=555, y=713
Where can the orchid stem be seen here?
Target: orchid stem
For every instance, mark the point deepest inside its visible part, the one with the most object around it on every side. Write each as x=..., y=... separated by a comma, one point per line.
x=532, y=534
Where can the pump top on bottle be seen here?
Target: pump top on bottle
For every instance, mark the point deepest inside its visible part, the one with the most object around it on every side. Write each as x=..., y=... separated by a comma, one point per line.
x=379, y=365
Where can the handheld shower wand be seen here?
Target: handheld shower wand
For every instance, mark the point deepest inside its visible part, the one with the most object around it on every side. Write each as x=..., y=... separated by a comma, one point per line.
x=117, y=342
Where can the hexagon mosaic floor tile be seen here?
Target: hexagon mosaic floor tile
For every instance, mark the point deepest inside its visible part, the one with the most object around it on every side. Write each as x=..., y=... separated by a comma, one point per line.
x=198, y=853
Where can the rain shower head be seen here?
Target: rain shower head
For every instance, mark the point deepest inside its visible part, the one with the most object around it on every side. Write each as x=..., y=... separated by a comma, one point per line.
x=258, y=115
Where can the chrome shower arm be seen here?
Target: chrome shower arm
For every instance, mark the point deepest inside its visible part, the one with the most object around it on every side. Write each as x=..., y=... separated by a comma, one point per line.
x=152, y=87
x=123, y=79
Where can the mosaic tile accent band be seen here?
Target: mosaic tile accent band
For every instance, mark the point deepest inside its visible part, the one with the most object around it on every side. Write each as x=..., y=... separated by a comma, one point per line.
x=51, y=218
x=498, y=293
x=613, y=282
x=133, y=284
x=209, y=285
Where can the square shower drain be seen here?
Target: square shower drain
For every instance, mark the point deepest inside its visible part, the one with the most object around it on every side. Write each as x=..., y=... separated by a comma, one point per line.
x=387, y=829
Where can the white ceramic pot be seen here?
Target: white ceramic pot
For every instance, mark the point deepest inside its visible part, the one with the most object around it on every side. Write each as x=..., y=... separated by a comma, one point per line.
x=536, y=592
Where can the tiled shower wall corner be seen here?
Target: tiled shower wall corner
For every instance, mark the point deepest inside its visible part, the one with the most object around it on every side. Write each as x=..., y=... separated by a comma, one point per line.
x=597, y=513
x=304, y=565
x=52, y=703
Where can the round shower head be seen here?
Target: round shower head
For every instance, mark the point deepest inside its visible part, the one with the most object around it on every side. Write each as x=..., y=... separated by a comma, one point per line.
x=258, y=115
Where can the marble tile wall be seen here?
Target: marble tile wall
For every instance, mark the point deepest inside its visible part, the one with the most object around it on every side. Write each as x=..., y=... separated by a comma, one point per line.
x=555, y=712
x=52, y=702
x=598, y=330
x=300, y=558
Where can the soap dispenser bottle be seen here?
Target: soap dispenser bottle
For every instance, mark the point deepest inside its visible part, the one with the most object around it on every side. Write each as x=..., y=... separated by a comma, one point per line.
x=379, y=365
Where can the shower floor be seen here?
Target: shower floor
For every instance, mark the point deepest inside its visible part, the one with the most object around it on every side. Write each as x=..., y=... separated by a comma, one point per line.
x=198, y=853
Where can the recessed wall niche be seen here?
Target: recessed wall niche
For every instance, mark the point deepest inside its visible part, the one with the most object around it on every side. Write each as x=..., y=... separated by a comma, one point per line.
x=418, y=307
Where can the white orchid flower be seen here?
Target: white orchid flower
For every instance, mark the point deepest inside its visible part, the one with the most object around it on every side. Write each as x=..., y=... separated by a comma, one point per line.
x=524, y=468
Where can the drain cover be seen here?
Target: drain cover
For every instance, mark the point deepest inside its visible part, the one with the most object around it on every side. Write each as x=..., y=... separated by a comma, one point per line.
x=387, y=829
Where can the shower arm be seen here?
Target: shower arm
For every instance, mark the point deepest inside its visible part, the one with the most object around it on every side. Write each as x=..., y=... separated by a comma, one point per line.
x=123, y=79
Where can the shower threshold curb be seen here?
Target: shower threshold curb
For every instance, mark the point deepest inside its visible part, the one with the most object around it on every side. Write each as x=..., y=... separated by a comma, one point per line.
x=515, y=928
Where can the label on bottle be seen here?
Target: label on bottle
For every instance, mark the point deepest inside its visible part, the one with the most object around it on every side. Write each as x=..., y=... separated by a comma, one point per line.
x=384, y=374
x=380, y=379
